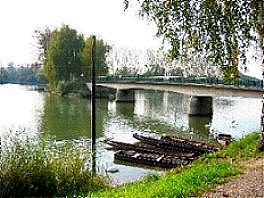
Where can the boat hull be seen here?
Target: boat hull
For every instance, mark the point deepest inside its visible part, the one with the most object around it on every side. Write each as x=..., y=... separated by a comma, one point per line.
x=167, y=142
x=157, y=160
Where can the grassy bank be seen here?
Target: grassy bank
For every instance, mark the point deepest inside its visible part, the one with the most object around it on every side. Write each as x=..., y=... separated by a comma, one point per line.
x=33, y=167
x=44, y=168
x=199, y=176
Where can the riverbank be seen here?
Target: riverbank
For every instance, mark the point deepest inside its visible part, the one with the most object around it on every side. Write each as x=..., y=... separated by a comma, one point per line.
x=195, y=179
x=249, y=184
x=82, y=90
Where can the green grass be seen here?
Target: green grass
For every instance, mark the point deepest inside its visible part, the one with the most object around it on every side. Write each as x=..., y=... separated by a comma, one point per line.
x=37, y=167
x=181, y=184
x=245, y=148
x=199, y=176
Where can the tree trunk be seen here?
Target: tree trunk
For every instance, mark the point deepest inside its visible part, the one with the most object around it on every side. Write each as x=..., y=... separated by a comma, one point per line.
x=260, y=29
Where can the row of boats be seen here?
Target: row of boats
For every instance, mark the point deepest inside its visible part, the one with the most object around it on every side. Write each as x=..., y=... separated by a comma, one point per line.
x=165, y=151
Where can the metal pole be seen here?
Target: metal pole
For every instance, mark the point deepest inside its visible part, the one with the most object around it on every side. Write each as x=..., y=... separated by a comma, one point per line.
x=93, y=104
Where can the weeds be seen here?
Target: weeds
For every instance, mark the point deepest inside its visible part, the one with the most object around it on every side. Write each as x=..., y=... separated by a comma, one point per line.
x=42, y=168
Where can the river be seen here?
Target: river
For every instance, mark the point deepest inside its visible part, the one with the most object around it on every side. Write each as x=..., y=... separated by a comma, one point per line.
x=23, y=109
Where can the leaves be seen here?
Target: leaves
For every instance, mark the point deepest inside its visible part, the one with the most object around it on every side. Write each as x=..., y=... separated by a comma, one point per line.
x=214, y=28
x=102, y=50
x=62, y=61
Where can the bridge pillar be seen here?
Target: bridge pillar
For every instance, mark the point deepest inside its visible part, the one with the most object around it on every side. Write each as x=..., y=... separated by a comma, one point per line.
x=125, y=95
x=201, y=106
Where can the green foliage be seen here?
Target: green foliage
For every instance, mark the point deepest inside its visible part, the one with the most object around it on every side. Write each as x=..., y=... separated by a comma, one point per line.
x=65, y=87
x=42, y=168
x=230, y=75
x=209, y=169
x=246, y=147
x=31, y=74
x=101, y=51
x=125, y=71
x=3, y=75
x=182, y=184
x=66, y=55
x=63, y=56
x=220, y=30
x=42, y=37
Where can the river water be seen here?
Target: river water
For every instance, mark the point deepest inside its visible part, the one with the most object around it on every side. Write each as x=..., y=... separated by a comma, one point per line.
x=23, y=109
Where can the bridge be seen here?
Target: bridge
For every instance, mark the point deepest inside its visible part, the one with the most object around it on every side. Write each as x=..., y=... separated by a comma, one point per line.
x=200, y=89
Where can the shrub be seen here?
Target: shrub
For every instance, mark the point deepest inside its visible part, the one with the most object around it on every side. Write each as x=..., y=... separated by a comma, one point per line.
x=41, y=168
x=64, y=87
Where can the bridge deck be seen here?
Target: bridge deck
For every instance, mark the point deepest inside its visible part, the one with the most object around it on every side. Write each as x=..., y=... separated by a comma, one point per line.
x=187, y=88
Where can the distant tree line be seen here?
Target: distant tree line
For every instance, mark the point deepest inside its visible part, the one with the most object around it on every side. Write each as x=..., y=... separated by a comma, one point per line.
x=30, y=74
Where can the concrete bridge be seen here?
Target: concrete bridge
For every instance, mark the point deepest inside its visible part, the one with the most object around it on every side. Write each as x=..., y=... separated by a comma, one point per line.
x=201, y=94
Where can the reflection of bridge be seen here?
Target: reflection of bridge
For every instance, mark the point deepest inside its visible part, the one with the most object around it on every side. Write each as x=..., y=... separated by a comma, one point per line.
x=201, y=89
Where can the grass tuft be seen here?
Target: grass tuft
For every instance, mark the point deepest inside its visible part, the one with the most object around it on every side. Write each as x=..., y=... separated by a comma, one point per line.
x=244, y=148
x=42, y=168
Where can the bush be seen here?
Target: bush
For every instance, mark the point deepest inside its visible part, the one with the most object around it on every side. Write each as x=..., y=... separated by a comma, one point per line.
x=65, y=87
x=41, y=168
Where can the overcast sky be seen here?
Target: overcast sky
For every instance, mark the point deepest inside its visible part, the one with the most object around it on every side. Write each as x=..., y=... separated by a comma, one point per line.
x=106, y=18
x=19, y=19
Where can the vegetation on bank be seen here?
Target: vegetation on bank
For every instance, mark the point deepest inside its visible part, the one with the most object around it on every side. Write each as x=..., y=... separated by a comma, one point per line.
x=32, y=167
x=199, y=176
x=45, y=168
x=29, y=74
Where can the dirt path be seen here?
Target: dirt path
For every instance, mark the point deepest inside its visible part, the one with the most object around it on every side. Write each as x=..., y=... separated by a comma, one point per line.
x=250, y=184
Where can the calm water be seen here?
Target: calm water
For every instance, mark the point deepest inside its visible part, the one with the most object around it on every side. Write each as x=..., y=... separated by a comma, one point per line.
x=39, y=113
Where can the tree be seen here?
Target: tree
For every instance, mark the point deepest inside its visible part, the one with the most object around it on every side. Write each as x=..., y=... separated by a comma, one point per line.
x=43, y=37
x=3, y=75
x=101, y=52
x=222, y=30
x=63, y=57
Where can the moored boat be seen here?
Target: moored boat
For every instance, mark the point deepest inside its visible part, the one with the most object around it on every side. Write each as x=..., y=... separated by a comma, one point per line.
x=148, y=149
x=173, y=142
x=150, y=159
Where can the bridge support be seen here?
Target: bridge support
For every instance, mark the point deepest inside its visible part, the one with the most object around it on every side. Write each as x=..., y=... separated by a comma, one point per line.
x=201, y=106
x=125, y=95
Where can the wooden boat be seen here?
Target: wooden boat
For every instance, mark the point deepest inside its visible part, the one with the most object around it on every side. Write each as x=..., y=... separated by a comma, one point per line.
x=158, y=160
x=148, y=149
x=202, y=145
x=173, y=142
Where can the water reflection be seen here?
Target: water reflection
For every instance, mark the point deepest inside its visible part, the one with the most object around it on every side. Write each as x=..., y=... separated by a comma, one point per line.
x=69, y=118
x=163, y=111
x=153, y=111
x=125, y=110
x=200, y=124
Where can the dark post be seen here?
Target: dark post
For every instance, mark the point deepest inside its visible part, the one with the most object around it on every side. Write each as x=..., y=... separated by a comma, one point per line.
x=93, y=104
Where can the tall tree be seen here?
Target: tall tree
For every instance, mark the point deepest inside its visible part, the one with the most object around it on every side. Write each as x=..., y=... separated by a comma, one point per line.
x=222, y=30
x=101, y=52
x=63, y=57
x=42, y=37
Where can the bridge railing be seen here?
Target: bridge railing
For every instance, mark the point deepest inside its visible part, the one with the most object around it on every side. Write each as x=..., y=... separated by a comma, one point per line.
x=178, y=80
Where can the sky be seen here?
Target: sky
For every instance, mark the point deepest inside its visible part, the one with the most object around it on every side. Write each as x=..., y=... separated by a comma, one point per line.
x=106, y=18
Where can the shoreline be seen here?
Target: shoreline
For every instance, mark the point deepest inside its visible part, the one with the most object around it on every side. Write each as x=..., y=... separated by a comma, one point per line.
x=202, y=175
